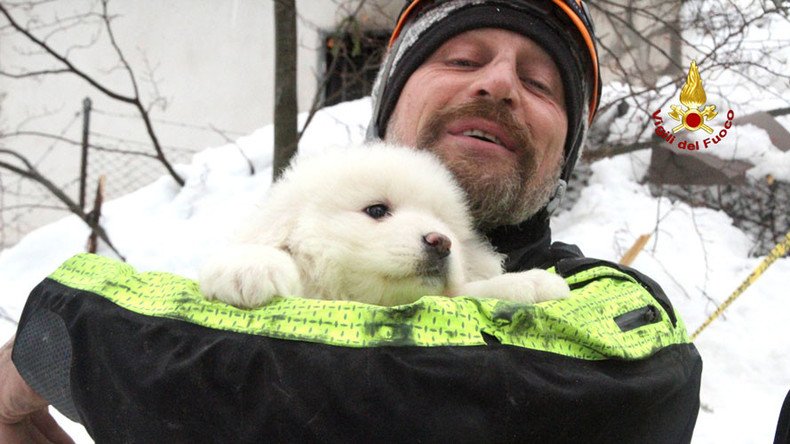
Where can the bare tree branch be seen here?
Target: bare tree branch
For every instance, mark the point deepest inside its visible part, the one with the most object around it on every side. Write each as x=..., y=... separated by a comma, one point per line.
x=29, y=171
x=639, y=54
x=615, y=150
x=29, y=74
x=133, y=100
x=73, y=69
x=241, y=151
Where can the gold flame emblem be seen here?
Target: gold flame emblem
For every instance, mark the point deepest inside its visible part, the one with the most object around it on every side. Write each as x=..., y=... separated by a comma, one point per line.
x=692, y=96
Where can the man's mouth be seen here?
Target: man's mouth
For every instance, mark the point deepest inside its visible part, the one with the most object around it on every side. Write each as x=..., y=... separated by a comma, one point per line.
x=482, y=135
x=478, y=125
x=483, y=130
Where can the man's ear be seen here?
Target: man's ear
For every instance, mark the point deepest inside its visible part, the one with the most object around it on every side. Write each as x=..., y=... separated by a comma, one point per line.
x=556, y=198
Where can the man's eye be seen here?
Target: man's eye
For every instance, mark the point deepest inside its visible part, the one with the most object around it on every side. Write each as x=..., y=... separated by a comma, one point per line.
x=463, y=63
x=377, y=211
x=542, y=87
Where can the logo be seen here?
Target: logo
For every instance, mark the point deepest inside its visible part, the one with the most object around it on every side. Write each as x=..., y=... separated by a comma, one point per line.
x=692, y=96
x=693, y=114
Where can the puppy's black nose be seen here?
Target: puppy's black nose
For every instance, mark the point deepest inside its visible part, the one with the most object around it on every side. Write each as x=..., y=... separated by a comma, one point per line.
x=437, y=243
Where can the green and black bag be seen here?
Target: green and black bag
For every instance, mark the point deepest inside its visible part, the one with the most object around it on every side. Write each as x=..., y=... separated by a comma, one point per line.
x=142, y=357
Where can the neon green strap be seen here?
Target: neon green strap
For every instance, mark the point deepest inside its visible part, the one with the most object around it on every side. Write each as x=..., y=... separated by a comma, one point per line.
x=581, y=326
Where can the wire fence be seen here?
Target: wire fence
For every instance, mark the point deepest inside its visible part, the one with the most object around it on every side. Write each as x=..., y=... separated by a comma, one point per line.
x=127, y=164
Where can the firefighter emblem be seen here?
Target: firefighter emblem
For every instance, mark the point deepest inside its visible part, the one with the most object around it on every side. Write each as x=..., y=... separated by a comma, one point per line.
x=691, y=115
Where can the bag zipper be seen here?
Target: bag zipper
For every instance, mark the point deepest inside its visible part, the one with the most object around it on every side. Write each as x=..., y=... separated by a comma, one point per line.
x=640, y=317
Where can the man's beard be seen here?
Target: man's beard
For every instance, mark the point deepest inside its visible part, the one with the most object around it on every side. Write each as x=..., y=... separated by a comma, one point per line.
x=515, y=193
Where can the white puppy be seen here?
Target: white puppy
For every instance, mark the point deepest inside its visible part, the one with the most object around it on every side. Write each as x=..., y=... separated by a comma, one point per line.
x=377, y=224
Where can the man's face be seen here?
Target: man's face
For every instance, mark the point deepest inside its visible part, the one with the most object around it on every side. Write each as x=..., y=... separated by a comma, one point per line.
x=490, y=103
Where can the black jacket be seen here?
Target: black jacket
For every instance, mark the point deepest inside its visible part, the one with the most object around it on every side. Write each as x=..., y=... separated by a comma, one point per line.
x=139, y=375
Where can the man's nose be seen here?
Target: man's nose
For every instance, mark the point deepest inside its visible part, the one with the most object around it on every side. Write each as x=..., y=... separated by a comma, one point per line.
x=498, y=81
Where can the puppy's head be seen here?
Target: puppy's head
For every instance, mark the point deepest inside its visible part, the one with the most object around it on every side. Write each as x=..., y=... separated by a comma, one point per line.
x=377, y=224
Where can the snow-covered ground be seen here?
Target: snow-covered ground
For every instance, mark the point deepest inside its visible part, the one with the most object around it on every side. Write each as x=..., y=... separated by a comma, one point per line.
x=695, y=254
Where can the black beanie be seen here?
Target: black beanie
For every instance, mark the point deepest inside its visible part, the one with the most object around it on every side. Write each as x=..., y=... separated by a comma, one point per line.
x=542, y=21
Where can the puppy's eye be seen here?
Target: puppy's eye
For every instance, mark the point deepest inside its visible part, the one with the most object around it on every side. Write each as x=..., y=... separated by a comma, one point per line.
x=377, y=211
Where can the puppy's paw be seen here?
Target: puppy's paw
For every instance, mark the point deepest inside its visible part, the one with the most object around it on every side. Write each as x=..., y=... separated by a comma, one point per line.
x=548, y=286
x=249, y=276
x=526, y=287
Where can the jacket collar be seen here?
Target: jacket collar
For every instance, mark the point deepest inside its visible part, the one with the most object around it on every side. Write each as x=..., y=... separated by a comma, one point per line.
x=526, y=244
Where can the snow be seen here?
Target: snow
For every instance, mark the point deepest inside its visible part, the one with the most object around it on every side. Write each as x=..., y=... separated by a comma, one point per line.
x=696, y=254
x=699, y=259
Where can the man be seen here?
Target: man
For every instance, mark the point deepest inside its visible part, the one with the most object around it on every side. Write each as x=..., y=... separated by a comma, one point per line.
x=502, y=92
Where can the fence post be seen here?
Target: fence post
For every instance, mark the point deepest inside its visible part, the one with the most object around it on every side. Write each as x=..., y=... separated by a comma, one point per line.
x=86, y=117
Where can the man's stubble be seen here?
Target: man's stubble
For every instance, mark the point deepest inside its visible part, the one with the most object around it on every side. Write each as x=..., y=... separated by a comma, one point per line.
x=505, y=193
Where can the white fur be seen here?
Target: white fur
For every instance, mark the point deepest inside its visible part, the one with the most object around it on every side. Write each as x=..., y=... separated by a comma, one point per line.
x=313, y=239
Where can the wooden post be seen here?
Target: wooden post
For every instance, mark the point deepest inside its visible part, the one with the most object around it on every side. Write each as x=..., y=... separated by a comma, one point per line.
x=285, y=106
x=630, y=255
x=86, y=117
x=95, y=215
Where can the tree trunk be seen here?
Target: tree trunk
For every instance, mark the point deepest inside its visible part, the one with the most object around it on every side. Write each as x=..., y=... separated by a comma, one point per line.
x=285, y=106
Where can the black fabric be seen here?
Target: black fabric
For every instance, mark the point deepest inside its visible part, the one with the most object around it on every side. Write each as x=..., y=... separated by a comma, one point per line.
x=42, y=353
x=782, y=435
x=528, y=245
x=141, y=379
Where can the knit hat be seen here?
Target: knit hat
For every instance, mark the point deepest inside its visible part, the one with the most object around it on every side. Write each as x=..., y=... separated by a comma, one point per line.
x=561, y=27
